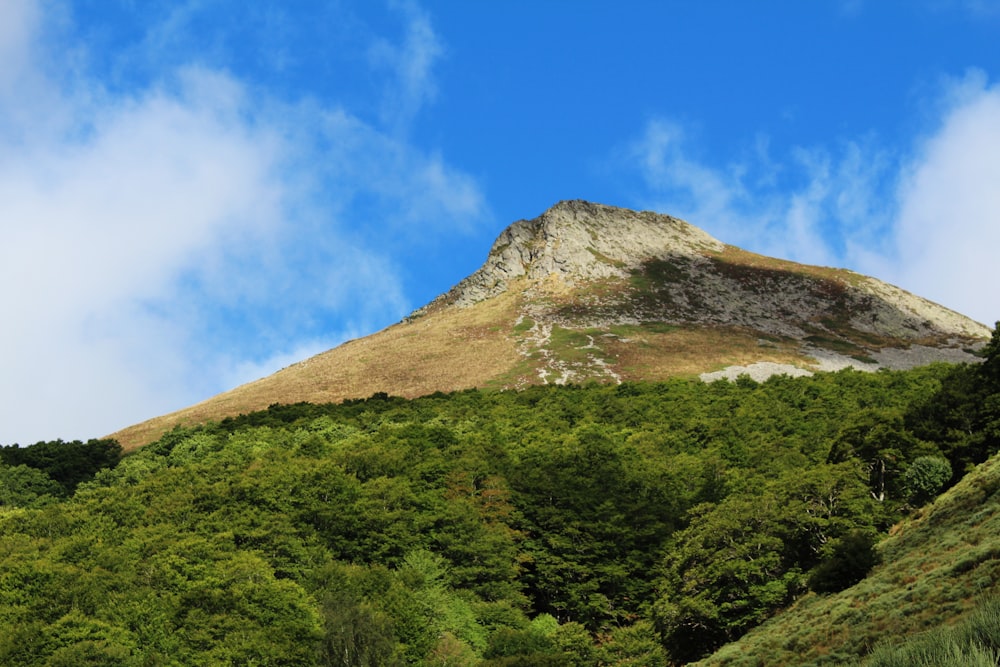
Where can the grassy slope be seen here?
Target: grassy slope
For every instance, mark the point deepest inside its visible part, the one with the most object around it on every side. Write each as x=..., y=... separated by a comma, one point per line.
x=445, y=350
x=449, y=348
x=936, y=566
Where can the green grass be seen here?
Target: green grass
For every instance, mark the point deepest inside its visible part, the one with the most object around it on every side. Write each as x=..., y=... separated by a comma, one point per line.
x=655, y=274
x=629, y=330
x=524, y=326
x=973, y=643
x=576, y=345
x=938, y=565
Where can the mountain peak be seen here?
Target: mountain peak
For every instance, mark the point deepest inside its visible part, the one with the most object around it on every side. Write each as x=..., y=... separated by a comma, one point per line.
x=593, y=292
x=580, y=240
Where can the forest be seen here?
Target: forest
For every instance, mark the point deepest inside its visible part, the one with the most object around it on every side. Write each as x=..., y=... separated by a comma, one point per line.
x=631, y=524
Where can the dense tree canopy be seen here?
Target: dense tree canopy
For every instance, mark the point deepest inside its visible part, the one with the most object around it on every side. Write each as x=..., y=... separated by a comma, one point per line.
x=631, y=524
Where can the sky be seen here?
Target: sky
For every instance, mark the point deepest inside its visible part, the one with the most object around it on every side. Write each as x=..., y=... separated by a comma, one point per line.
x=196, y=193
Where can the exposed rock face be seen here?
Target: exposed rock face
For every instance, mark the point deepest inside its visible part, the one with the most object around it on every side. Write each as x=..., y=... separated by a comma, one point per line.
x=894, y=310
x=579, y=240
x=657, y=269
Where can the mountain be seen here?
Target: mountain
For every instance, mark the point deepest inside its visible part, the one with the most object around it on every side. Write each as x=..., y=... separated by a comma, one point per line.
x=592, y=292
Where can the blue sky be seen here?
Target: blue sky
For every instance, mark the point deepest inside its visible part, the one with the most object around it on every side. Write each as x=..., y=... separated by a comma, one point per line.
x=195, y=193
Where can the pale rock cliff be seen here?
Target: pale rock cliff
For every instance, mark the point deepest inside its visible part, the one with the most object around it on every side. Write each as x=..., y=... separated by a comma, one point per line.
x=667, y=270
x=579, y=240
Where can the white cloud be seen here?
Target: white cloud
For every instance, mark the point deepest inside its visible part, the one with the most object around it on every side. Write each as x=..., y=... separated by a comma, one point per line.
x=100, y=217
x=948, y=230
x=241, y=371
x=929, y=223
x=161, y=243
x=152, y=180
x=17, y=20
x=784, y=208
x=411, y=85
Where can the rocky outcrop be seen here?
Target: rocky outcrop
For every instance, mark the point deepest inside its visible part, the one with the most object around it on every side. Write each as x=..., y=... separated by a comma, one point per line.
x=578, y=240
x=895, y=311
x=654, y=268
x=695, y=278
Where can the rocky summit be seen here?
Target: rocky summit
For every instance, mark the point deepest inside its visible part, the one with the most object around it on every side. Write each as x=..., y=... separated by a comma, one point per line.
x=590, y=268
x=591, y=292
x=579, y=241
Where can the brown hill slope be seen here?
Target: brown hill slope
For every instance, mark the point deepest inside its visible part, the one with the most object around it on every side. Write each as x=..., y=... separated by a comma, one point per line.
x=593, y=292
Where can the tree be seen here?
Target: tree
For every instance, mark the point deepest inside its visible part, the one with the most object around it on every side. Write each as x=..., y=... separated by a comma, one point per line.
x=22, y=486
x=990, y=369
x=537, y=644
x=633, y=646
x=355, y=634
x=820, y=505
x=68, y=463
x=881, y=442
x=726, y=573
x=925, y=478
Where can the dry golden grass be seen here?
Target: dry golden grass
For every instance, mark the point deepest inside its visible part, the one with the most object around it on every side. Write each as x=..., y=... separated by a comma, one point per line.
x=449, y=348
x=445, y=350
x=738, y=256
x=649, y=355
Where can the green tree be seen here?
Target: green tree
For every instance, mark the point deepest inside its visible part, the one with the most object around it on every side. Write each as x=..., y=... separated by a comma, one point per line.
x=425, y=607
x=634, y=645
x=355, y=633
x=68, y=463
x=725, y=573
x=848, y=560
x=22, y=486
x=925, y=478
x=536, y=644
x=990, y=369
x=882, y=444
x=594, y=520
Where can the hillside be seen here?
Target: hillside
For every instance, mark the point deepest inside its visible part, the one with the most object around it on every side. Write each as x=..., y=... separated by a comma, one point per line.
x=574, y=526
x=592, y=292
x=938, y=564
x=563, y=522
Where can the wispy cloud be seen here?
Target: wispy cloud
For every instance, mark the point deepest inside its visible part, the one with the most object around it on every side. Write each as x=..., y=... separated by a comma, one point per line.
x=411, y=85
x=793, y=206
x=18, y=19
x=143, y=230
x=977, y=8
x=926, y=217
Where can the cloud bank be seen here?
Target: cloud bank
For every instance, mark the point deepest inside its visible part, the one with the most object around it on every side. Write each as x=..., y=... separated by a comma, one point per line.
x=143, y=230
x=947, y=231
